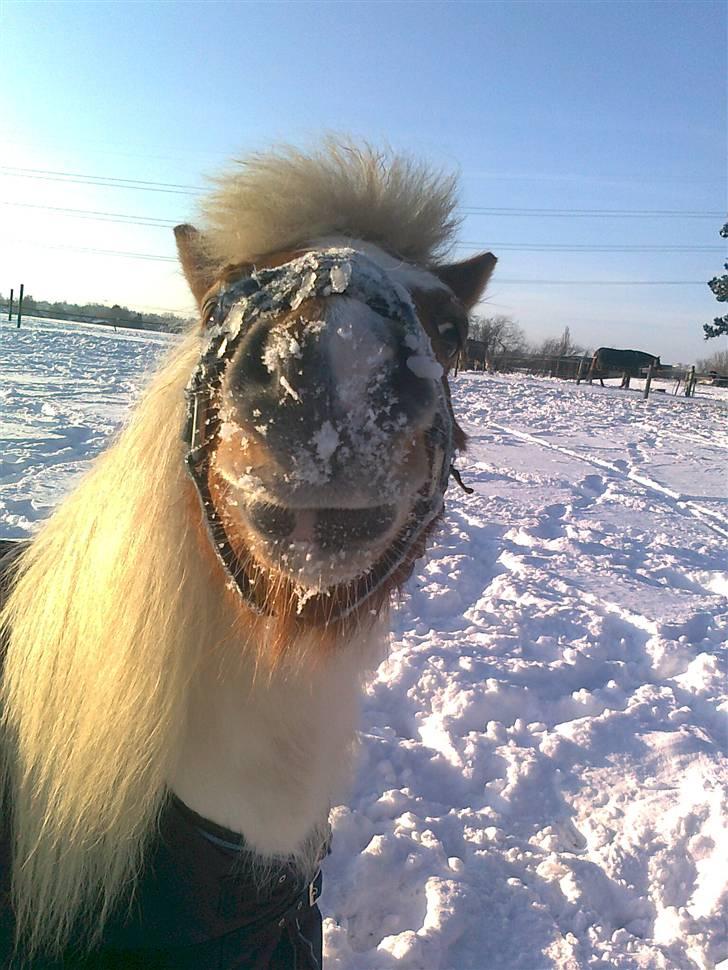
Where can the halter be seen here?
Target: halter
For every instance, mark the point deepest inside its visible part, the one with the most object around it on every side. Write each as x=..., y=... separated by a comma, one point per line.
x=270, y=292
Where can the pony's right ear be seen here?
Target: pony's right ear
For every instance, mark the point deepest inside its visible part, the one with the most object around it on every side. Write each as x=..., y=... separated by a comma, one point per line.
x=199, y=270
x=467, y=279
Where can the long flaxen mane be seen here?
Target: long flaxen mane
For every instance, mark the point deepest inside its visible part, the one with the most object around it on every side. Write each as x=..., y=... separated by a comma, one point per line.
x=116, y=600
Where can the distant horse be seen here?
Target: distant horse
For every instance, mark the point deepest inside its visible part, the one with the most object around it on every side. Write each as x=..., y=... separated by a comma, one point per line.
x=475, y=354
x=185, y=638
x=628, y=363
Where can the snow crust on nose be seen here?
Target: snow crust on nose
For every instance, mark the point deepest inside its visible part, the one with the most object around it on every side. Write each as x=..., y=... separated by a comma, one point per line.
x=360, y=359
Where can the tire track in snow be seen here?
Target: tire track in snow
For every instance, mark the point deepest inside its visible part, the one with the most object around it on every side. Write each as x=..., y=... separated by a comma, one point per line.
x=711, y=519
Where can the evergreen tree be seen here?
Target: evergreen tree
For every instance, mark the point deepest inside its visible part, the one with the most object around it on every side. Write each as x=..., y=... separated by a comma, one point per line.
x=719, y=286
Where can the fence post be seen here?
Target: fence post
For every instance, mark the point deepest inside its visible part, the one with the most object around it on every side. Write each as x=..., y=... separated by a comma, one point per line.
x=690, y=383
x=581, y=368
x=648, y=382
x=10, y=308
x=20, y=303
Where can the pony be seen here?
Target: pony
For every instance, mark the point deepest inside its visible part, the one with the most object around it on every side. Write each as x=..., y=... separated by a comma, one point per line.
x=194, y=623
x=629, y=363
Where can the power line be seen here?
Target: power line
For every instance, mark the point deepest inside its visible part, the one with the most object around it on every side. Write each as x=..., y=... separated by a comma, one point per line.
x=581, y=177
x=111, y=148
x=99, y=252
x=103, y=180
x=497, y=281
x=121, y=217
x=171, y=187
x=157, y=223
x=173, y=259
x=590, y=248
x=593, y=213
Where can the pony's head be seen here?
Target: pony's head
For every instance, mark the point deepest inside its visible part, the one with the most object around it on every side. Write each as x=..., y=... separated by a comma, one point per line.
x=320, y=431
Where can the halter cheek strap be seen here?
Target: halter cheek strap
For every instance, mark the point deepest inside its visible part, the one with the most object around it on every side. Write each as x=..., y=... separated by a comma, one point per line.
x=270, y=292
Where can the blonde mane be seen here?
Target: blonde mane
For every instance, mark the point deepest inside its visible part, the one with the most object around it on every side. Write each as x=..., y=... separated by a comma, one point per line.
x=282, y=199
x=104, y=627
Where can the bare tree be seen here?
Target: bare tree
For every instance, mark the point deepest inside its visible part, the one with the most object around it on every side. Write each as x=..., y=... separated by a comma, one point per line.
x=500, y=334
x=562, y=346
x=717, y=362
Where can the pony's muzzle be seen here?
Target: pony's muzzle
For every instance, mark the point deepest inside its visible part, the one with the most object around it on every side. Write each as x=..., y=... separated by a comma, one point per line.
x=323, y=444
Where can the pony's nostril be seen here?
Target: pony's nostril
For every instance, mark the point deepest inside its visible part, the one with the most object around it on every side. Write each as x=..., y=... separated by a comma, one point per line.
x=338, y=529
x=249, y=368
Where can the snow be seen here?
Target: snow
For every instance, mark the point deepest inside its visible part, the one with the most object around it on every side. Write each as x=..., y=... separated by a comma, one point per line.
x=542, y=777
x=64, y=389
x=326, y=440
x=406, y=275
x=423, y=365
x=340, y=278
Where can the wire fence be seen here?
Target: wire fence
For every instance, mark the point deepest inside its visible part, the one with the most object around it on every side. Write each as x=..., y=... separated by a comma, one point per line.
x=578, y=367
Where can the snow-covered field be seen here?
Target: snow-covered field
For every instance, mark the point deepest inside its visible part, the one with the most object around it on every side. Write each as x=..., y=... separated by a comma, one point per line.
x=543, y=778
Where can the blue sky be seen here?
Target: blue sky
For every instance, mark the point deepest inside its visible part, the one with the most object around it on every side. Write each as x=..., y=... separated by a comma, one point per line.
x=538, y=106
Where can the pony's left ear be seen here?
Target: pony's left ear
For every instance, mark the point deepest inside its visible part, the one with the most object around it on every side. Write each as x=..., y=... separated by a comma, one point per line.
x=468, y=279
x=197, y=266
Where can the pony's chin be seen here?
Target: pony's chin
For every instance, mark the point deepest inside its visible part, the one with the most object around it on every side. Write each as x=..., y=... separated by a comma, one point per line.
x=305, y=565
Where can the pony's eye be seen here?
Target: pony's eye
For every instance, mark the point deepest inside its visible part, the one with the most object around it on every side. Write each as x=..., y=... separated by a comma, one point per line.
x=208, y=308
x=450, y=338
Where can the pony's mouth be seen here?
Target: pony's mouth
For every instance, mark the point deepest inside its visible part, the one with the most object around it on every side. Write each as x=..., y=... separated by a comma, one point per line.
x=319, y=547
x=319, y=564
x=339, y=566
x=322, y=562
x=331, y=530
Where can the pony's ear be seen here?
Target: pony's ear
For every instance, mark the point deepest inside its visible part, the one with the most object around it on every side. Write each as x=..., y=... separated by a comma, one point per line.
x=467, y=279
x=197, y=266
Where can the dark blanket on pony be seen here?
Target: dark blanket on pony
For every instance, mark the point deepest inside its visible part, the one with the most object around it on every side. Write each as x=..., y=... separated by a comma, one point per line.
x=201, y=903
